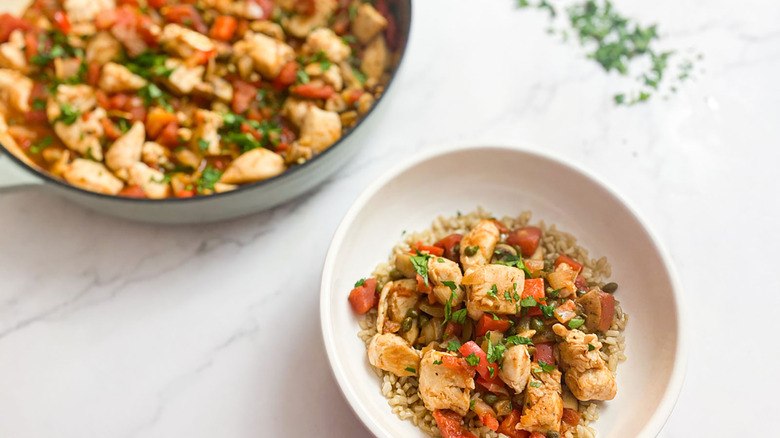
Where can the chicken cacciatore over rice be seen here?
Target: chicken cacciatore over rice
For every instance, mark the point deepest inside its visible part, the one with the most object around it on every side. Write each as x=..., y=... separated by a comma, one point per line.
x=164, y=98
x=481, y=327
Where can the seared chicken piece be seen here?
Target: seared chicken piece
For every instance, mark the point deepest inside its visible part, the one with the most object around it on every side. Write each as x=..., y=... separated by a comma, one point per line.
x=268, y=55
x=563, y=278
x=586, y=374
x=103, y=48
x=441, y=270
x=376, y=58
x=395, y=301
x=15, y=88
x=368, y=23
x=154, y=154
x=543, y=406
x=477, y=246
x=254, y=165
x=328, y=42
x=92, y=176
x=295, y=109
x=126, y=150
x=516, y=367
x=12, y=53
x=208, y=124
x=116, y=78
x=83, y=135
x=183, y=79
x=331, y=76
x=152, y=181
x=320, y=129
x=183, y=42
x=493, y=288
x=86, y=10
x=80, y=98
x=392, y=353
x=300, y=25
x=442, y=387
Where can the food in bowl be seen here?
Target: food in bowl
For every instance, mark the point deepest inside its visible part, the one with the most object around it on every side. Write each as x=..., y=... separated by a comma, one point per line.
x=160, y=98
x=485, y=327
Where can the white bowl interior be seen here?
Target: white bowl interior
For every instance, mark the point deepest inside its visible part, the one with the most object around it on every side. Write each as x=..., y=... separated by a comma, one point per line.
x=507, y=181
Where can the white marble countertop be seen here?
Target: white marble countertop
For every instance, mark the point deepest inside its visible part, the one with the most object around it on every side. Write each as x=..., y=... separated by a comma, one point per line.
x=122, y=330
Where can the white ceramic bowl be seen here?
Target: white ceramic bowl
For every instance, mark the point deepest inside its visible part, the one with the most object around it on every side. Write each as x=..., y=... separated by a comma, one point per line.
x=507, y=181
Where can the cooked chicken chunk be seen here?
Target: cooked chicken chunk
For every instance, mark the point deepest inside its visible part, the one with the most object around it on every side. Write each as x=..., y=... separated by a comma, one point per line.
x=320, y=129
x=92, y=176
x=206, y=132
x=268, y=55
x=586, y=374
x=154, y=154
x=296, y=109
x=300, y=25
x=442, y=270
x=368, y=23
x=103, y=48
x=392, y=353
x=326, y=41
x=126, y=150
x=493, y=288
x=331, y=76
x=183, y=79
x=543, y=406
x=12, y=53
x=255, y=165
x=376, y=58
x=395, y=301
x=84, y=134
x=183, y=42
x=151, y=181
x=116, y=78
x=516, y=367
x=67, y=68
x=86, y=10
x=563, y=278
x=478, y=245
x=442, y=387
x=15, y=89
x=79, y=98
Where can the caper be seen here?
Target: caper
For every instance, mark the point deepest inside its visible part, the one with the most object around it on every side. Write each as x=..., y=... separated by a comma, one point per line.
x=537, y=324
x=553, y=434
x=471, y=250
x=423, y=319
x=511, y=331
x=610, y=288
x=407, y=324
x=489, y=398
x=413, y=313
x=456, y=248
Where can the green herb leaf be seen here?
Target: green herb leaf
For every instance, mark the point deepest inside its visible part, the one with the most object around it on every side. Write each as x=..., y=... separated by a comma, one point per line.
x=410, y=369
x=545, y=366
x=450, y=284
x=528, y=301
x=493, y=291
x=575, y=323
x=360, y=282
x=301, y=77
x=591, y=347
x=535, y=384
x=472, y=359
x=519, y=340
x=495, y=352
x=437, y=362
x=68, y=114
x=203, y=144
x=453, y=345
x=420, y=264
x=207, y=179
x=459, y=316
x=547, y=310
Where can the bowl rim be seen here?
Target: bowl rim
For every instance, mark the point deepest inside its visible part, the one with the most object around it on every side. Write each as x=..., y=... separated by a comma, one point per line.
x=45, y=177
x=662, y=411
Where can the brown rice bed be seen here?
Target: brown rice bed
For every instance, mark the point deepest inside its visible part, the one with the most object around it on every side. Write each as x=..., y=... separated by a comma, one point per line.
x=401, y=392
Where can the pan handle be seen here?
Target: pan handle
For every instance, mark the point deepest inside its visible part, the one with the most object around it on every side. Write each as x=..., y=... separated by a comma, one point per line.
x=13, y=177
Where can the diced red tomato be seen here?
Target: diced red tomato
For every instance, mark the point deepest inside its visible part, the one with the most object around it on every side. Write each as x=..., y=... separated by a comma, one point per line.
x=449, y=245
x=544, y=353
x=432, y=250
x=353, y=96
x=36, y=116
x=537, y=435
x=147, y=29
x=508, y=426
x=364, y=297
x=102, y=99
x=501, y=227
x=482, y=367
x=30, y=45
x=169, y=136
x=185, y=15
x=243, y=95
x=157, y=120
x=580, y=283
x=246, y=128
x=111, y=131
x=135, y=3
x=534, y=287
x=450, y=424
x=286, y=75
x=185, y=193
x=458, y=365
x=494, y=385
x=119, y=101
x=571, y=417
x=488, y=323
x=61, y=21
x=313, y=91
x=136, y=108
x=157, y=4
x=223, y=28
x=527, y=238
x=485, y=413
x=452, y=329
x=421, y=286
x=563, y=258
x=607, y=310
x=93, y=74
x=132, y=192
x=10, y=23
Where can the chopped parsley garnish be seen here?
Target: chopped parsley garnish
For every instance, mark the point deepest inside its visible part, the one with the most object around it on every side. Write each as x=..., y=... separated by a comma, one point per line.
x=301, y=77
x=507, y=296
x=576, y=322
x=152, y=94
x=493, y=291
x=546, y=367
x=410, y=369
x=449, y=284
x=360, y=282
x=68, y=114
x=149, y=64
x=519, y=340
x=471, y=404
x=548, y=310
x=472, y=359
x=515, y=261
x=453, y=345
x=554, y=293
x=203, y=144
x=495, y=352
x=420, y=264
x=440, y=260
x=528, y=301
x=38, y=104
x=535, y=384
x=471, y=250
x=459, y=316
x=591, y=347
x=437, y=362
x=43, y=144
x=207, y=179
